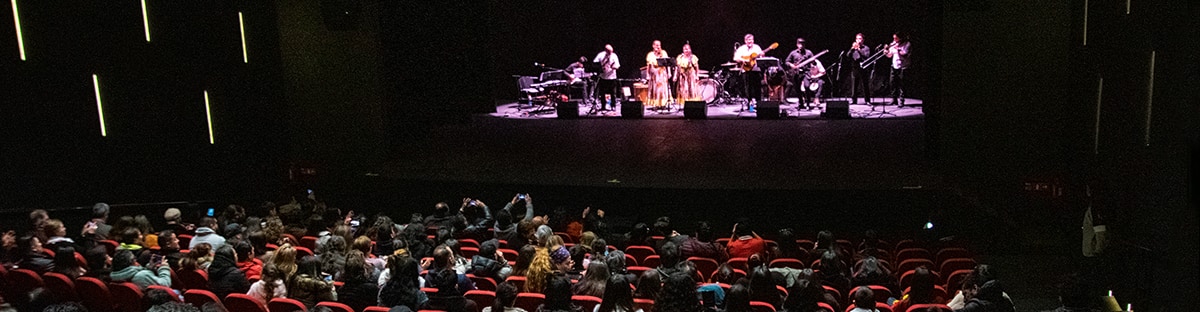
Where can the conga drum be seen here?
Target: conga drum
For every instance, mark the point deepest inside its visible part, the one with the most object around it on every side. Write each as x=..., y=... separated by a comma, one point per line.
x=641, y=91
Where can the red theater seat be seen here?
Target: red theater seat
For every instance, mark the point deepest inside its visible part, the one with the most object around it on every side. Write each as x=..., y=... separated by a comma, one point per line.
x=95, y=294
x=335, y=306
x=199, y=297
x=243, y=302
x=127, y=296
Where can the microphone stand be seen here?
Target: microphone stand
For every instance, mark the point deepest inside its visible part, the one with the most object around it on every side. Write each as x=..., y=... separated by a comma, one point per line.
x=871, y=63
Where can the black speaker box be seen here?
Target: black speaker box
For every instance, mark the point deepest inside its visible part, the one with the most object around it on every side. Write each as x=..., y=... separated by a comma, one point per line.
x=768, y=109
x=632, y=110
x=568, y=109
x=837, y=109
x=695, y=110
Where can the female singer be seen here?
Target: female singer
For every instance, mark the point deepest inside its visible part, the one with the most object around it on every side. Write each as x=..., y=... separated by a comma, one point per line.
x=689, y=75
x=657, y=78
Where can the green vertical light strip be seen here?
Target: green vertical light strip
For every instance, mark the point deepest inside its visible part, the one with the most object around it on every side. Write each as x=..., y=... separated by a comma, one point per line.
x=17, y=22
x=145, y=21
x=99, y=104
x=208, y=114
x=242, y=28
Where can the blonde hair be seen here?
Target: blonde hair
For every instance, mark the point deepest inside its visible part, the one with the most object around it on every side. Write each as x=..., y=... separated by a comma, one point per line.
x=50, y=227
x=285, y=260
x=539, y=271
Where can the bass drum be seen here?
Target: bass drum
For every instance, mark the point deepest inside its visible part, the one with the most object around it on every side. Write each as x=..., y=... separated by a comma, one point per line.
x=708, y=90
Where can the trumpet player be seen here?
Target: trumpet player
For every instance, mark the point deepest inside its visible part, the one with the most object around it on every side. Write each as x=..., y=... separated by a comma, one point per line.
x=858, y=79
x=898, y=51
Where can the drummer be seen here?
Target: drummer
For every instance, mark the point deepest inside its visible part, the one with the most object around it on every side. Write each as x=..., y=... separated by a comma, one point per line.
x=687, y=81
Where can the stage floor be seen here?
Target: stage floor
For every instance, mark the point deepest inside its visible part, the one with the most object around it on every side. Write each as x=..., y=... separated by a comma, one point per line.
x=673, y=153
x=912, y=109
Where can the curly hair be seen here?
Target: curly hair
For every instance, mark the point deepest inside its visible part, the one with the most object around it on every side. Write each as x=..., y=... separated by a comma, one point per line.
x=539, y=272
x=274, y=229
x=678, y=295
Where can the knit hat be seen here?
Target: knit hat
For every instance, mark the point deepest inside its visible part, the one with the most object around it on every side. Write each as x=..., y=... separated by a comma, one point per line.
x=171, y=214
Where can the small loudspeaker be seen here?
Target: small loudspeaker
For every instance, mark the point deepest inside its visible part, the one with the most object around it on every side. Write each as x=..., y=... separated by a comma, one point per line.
x=768, y=109
x=695, y=110
x=632, y=110
x=568, y=109
x=837, y=109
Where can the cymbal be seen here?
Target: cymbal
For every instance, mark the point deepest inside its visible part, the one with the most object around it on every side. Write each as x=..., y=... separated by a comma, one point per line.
x=729, y=64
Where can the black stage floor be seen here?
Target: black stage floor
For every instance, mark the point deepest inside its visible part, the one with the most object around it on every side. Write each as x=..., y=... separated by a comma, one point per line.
x=675, y=153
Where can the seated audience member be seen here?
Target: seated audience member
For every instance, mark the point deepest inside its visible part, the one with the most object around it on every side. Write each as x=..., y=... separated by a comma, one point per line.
x=558, y=296
x=65, y=264
x=131, y=239
x=788, y=247
x=700, y=244
x=174, y=222
x=126, y=269
x=490, y=262
x=506, y=298
x=333, y=256
x=594, y=282
x=199, y=258
x=872, y=273
x=832, y=272
x=864, y=300
x=374, y=264
x=98, y=227
x=168, y=247
x=524, y=259
x=359, y=290
x=616, y=266
x=224, y=277
x=678, y=295
x=744, y=242
x=826, y=241
x=649, y=285
x=155, y=296
x=308, y=285
x=539, y=272
x=618, y=296
x=669, y=256
x=207, y=233
x=275, y=274
x=32, y=256
x=762, y=287
x=247, y=263
x=982, y=291
x=56, y=236
x=37, y=224
x=403, y=287
x=814, y=279
x=804, y=296
x=920, y=291
x=99, y=263
x=738, y=299
x=442, y=276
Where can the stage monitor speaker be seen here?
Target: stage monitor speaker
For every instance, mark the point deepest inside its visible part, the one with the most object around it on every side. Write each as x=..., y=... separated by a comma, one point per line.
x=632, y=110
x=768, y=109
x=839, y=109
x=568, y=109
x=695, y=110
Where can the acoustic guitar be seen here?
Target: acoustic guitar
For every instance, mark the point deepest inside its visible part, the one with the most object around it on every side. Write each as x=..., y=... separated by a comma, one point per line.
x=749, y=61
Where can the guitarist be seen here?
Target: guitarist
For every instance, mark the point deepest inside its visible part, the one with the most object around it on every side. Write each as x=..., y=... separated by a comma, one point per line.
x=746, y=54
x=805, y=77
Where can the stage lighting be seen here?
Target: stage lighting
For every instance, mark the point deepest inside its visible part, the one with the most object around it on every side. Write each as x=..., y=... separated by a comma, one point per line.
x=242, y=28
x=929, y=225
x=17, y=22
x=145, y=21
x=208, y=114
x=99, y=104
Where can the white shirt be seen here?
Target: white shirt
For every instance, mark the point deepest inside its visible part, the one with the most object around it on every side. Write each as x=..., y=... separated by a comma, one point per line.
x=610, y=72
x=746, y=50
x=899, y=55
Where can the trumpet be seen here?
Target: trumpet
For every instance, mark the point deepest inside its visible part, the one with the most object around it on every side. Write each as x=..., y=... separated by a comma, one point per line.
x=879, y=53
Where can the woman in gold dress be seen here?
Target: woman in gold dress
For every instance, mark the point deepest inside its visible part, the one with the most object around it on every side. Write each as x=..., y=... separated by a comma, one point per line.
x=689, y=75
x=657, y=78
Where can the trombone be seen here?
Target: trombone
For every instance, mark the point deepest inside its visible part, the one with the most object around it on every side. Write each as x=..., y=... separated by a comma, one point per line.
x=880, y=51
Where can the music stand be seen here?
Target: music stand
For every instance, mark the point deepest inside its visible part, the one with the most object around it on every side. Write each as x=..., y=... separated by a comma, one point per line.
x=669, y=64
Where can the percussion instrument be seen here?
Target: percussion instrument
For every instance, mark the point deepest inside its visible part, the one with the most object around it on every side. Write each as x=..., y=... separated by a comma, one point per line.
x=641, y=91
x=775, y=76
x=708, y=89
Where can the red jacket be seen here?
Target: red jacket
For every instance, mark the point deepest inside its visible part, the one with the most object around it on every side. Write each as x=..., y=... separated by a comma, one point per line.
x=252, y=268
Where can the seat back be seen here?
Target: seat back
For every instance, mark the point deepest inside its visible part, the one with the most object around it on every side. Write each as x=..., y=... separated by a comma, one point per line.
x=61, y=286
x=926, y=306
x=738, y=263
x=199, y=297
x=954, y=280
x=377, y=309
x=955, y=264
x=951, y=253
x=194, y=279
x=21, y=281
x=787, y=263
x=127, y=296
x=913, y=264
x=705, y=266
x=468, y=252
x=467, y=242
x=529, y=301
x=285, y=305
x=640, y=253
x=482, y=298
x=309, y=242
x=94, y=293
x=630, y=260
x=243, y=303
x=586, y=302
x=881, y=293
x=826, y=306
x=335, y=306
x=509, y=254
x=483, y=283
x=302, y=252
x=913, y=253
x=643, y=304
x=907, y=277
x=759, y=306
x=169, y=290
x=518, y=281
x=651, y=261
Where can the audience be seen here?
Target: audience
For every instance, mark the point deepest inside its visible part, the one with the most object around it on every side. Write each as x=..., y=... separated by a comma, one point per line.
x=558, y=296
x=65, y=263
x=618, y=296
x=594, y=282
x=864, y=300
x=744, y=242
x=678, y=295
x=921, y=290
x=168, y=247
x=247, y=263
x=207, y=233
x=224, y=277
x=32, y=256
x=506, y=297
x=199, y=258
x=402, y=287
x=126, y=269
x=309, y=285
x=359, y=290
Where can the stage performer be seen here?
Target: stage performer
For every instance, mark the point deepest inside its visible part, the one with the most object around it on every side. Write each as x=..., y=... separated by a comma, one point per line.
x=801, y=79
x=657, y=78
x=747, y=52
x=607, y=88
x=898, y=51
x=859, y=51
x=688, y=75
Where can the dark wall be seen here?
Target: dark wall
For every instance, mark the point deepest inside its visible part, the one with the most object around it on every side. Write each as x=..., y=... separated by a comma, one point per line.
x=157, y=143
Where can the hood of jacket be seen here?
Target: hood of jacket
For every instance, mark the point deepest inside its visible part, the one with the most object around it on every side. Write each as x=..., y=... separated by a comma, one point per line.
x=204, y=231
x=126, y=274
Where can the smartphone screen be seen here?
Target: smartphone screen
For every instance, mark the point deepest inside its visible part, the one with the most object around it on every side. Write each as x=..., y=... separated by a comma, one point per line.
x=155, y=259
x=211, y=211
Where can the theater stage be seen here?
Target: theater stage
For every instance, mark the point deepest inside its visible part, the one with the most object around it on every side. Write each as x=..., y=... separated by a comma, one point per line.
x=790, y=110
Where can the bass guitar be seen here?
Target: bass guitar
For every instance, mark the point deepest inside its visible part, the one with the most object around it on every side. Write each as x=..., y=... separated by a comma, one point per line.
x=749, y=61
x=794, y=69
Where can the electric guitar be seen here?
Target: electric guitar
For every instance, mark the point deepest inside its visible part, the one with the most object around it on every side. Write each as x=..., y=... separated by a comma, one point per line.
x=795, y=68
x=749, y=61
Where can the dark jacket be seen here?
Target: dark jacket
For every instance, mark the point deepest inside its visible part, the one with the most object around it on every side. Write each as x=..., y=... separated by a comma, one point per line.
x=37, y=262
x=359, y=293
x=691, y=247
x=310, y=290
x=486, y=267
x=989, y=298
x=225, y=278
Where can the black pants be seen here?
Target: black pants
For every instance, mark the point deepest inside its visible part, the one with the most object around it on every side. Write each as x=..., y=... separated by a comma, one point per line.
x=897, y=83
x=807, y=93
x=859, y=79
x=609, y=87
x=754, y=85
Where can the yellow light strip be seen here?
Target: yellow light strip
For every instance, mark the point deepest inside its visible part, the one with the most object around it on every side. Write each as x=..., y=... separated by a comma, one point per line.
x=1149, y=99
x=145, y=21
x=242, y=27
x=99, y=106
x=208, y=113
x=17, y=22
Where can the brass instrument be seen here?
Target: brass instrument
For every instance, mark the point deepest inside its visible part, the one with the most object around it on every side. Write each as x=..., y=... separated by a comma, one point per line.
x=879, y=53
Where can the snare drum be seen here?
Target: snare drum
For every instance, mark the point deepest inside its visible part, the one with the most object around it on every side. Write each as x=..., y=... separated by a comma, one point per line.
x=708, y=89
